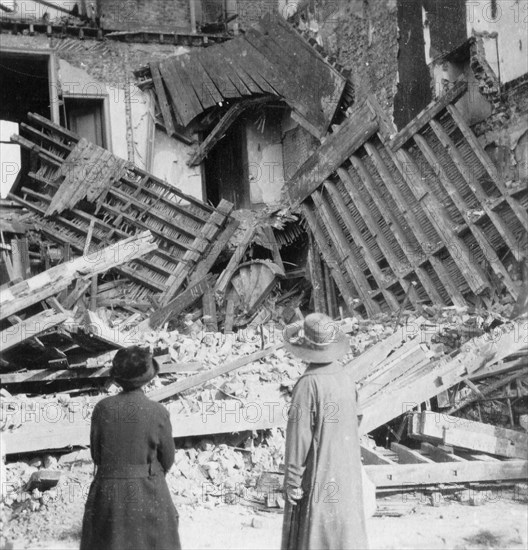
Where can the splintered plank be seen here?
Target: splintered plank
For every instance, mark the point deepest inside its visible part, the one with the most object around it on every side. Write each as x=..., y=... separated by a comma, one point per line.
x=345, y=254
x=58, y=278
x=316, y=277
x=209, y=309
x=206, y=263
x=405, y=476
x=337, y=148
x=100, y=331
x=433, y=109
x=64, y=133
x=184, y=300
x=229, y=316
x=49, y=140
x=182, y=105
x=218, y=132
x=191, y=258
x=483, y=157
x=330, y=259
x=199, y=379
x=20, y=257
x=236, y=258
x=162, y=98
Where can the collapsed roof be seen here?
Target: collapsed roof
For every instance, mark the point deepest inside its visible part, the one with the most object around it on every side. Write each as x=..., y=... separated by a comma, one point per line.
x=270, y=58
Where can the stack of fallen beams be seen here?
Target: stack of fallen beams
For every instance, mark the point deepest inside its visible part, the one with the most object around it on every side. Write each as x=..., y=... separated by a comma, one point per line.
x=397, y=375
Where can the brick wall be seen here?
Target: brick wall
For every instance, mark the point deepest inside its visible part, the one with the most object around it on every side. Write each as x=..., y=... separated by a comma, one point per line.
x=168, y=15
x=363, y=36
x=106, y=61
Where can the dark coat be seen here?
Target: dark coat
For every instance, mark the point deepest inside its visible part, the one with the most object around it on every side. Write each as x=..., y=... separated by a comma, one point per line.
x=323, y=458
x=129, y=506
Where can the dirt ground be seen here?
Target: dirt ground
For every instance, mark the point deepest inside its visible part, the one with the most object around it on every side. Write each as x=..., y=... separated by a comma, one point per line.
x=495, y=523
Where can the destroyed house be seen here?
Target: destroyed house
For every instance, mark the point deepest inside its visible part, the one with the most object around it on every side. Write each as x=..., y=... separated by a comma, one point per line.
x=181, y=178
x=418, y=208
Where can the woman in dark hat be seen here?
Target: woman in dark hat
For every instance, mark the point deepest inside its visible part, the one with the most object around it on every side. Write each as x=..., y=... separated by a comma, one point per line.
x=322, y=481
x=129, y=506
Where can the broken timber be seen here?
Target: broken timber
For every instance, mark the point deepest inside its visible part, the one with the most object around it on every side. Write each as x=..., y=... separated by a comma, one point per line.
x=30, y=328
x=388, y=209
x=182, y=385
x=126, y=200
x=60, y=433
x=58, y=278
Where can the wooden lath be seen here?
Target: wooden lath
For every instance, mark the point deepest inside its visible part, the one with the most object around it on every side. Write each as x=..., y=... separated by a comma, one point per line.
x=270, y=58
x=125, y=200
x=424, y=205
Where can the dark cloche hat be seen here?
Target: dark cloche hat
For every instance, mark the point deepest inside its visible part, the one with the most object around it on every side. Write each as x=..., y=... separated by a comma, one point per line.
x=316, y=340
x=133, y=367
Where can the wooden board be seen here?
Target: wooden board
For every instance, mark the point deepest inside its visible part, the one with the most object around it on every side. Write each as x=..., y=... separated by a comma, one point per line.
x=58, y=278
x=468, y=434
x=337, y=148
x=30, y=328
x=407, y=476
x=182, y=385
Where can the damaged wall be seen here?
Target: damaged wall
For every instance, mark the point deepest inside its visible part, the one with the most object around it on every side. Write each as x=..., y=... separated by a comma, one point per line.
x=264, y=156
x=145, y=14
x=503, y=25
x=389, y=45
x=101, y=72
x=169, y=164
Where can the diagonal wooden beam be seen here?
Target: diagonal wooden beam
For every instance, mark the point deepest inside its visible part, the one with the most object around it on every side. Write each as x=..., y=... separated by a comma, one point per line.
x=353, y=229
x=56, y=279
x=345, y=253
x=218, y=132
x=502, y=227
x=329, y=258
x=432, y=110
x=331, y=154
x=483, y=157
x=487, y=248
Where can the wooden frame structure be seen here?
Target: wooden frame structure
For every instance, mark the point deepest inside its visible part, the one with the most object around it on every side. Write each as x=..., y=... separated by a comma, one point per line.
x=85, y=197
x=424, y=205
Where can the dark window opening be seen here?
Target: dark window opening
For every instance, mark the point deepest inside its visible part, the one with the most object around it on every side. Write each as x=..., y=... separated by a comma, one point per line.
x=226, y=172
x=24, y=88
x=85, y=116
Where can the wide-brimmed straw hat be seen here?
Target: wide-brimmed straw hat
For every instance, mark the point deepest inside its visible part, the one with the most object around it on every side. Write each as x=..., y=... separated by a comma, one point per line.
x=133, y=367
x=317, y=339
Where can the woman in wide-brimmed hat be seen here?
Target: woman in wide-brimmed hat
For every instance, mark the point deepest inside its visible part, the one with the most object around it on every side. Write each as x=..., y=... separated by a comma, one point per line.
x=129, y=504
x=322, y=481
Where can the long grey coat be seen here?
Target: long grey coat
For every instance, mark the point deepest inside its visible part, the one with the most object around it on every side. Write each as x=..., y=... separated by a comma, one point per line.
x=323, y=458
x=129, y=506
